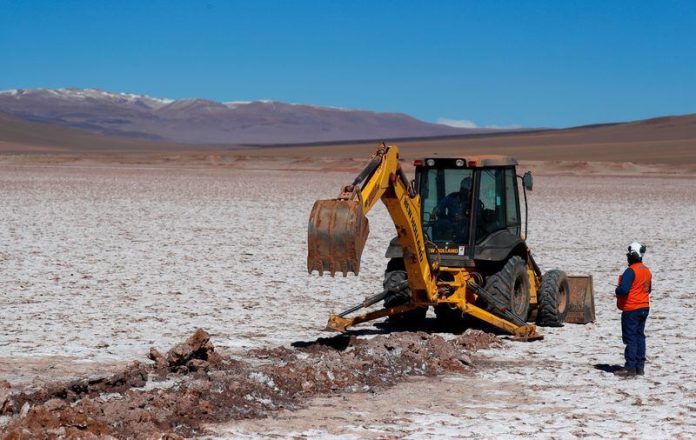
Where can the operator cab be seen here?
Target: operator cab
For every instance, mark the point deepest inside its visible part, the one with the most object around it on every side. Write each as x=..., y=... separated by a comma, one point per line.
x=470, y=208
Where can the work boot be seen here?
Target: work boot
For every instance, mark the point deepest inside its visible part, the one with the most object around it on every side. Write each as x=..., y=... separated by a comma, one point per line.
x=640, y=371
x=625, y=372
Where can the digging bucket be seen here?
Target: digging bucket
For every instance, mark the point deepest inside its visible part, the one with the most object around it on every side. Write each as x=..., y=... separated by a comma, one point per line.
x=581, y=309
x=336, y=236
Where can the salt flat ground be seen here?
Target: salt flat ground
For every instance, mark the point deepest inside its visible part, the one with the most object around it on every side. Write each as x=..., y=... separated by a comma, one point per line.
x=98, y=263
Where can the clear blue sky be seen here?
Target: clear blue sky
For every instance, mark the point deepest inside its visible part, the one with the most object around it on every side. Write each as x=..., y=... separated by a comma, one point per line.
x=530, y=63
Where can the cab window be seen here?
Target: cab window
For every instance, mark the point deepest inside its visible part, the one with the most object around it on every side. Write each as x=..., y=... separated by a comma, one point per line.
x=512, y=202
x=491, y=215
x=499, y=203
x=446, y=202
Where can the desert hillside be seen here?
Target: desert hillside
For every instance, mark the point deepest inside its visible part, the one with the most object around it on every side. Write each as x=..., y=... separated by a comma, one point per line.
x=20, y=136
x=669, y=140
x=665, y=140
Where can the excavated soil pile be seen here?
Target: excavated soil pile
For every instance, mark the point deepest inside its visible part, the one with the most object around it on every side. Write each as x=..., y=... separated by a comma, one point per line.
x=192, y=384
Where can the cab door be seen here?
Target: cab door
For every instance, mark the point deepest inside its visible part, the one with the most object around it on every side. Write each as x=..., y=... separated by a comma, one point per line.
x=496, y=225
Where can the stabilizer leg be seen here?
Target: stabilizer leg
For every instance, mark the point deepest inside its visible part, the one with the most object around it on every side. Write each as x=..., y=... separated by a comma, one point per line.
x=340, y=324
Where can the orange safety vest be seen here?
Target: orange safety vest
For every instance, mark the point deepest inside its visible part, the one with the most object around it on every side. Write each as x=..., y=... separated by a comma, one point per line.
x=639, y=295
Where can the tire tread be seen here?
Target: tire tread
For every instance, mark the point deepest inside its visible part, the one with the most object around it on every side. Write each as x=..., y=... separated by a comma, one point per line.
x=502, y=283
x=547, y=297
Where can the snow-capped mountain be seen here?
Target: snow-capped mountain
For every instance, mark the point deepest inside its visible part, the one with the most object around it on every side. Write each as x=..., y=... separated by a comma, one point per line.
x=201, y=121
x=86, y=94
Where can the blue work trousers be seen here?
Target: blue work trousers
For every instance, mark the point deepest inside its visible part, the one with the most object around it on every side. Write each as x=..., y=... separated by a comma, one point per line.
x=633, y=335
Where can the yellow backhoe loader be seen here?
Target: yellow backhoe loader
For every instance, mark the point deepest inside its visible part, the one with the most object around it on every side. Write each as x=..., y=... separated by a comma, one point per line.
x=459, y=246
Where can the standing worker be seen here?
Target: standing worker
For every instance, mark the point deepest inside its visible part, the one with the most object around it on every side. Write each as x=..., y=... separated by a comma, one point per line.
x=633, y=299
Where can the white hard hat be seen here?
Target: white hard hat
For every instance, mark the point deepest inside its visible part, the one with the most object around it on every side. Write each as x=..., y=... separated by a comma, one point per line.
x=636, y=248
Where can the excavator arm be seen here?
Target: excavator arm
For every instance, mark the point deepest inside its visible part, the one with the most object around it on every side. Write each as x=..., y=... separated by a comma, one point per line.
x=338, y=228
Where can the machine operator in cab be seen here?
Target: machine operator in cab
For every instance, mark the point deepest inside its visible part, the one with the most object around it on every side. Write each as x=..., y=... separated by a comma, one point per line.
x=452, y=213
x=633, y=299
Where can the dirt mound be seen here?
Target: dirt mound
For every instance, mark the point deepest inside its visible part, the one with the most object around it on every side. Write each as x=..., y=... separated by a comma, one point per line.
x=192, y=384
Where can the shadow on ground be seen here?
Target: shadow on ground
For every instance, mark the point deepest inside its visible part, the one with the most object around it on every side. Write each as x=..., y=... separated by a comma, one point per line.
x=608, y=368
x=342, y=341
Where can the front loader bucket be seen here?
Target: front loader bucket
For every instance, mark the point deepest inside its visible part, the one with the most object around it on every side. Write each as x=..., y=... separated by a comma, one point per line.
x=336, y=236
x=581, y=309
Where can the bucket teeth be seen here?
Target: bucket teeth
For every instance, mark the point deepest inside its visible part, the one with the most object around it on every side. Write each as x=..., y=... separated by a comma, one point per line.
x=336, y=236
x=332, y=267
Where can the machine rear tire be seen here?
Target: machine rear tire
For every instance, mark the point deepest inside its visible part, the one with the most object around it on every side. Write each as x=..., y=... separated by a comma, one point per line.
x=511, y=286
x=553, y=298
x=393, y=276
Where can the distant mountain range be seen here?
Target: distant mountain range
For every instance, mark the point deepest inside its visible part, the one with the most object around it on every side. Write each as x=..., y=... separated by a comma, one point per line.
x=201, y=121
x=668, y=139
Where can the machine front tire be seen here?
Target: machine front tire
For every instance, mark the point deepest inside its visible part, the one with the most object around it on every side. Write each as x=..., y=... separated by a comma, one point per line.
x=393, y=276
x=553, y=297
x=511, y=286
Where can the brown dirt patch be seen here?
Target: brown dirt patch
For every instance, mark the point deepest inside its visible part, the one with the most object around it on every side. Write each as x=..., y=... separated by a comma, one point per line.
x=193, y=385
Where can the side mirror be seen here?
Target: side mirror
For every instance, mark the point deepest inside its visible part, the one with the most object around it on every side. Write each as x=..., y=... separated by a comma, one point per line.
x=527, y=181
